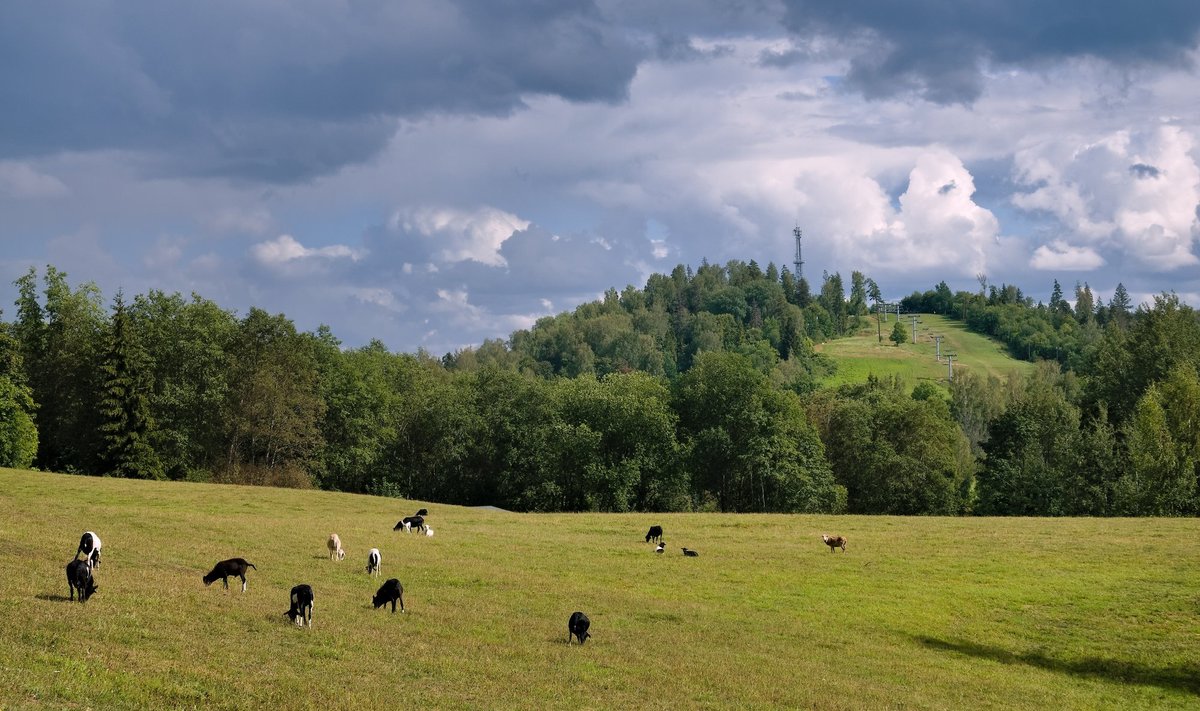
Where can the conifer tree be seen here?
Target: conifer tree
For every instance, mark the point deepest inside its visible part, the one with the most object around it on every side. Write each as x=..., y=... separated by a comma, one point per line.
x=18, y=434
x=125, y=403
x=1120, y=305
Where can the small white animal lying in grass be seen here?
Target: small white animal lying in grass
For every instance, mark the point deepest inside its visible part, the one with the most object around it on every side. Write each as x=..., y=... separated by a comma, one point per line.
x=429, y=532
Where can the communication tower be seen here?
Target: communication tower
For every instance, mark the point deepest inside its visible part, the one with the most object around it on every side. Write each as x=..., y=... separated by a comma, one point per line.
x=799, y=261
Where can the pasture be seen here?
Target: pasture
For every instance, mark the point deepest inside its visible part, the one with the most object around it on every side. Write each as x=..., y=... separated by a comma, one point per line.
x=938, y=613
x=862, y=354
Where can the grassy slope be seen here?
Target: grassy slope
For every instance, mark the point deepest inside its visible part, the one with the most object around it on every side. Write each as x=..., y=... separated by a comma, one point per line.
x=920, y=613
x=863, y=354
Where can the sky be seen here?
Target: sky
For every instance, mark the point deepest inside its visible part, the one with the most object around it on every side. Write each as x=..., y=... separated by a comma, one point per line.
x=433, y=173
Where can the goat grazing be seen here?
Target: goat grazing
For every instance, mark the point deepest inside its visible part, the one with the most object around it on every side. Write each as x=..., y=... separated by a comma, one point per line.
x=302, y=605
x=655, y=534
x=578, y=626
x=335, y=547
x=690, y=553
x=391, y=591
x=79, y=577
x=834, y=542
x=373, y=560
x=410, y=522
x=89, y=546
x=226, y=568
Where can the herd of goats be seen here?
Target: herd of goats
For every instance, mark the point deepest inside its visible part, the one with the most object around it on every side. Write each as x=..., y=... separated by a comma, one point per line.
x=81, y=573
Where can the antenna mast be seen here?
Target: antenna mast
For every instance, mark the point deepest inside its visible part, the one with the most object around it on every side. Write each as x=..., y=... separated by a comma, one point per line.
x=799, y=261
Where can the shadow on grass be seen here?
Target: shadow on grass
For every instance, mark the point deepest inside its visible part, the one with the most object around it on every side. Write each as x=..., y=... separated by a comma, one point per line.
x=53, y=598
x=1183, y=678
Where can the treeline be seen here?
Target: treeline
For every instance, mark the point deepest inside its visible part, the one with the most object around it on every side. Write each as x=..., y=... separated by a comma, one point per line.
x=1059, y=331
x=679, y=397
x=1109, y=424
x=697, y=392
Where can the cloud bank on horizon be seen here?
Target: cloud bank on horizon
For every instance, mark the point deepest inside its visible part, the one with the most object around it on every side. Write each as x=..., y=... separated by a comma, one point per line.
x=434, y=173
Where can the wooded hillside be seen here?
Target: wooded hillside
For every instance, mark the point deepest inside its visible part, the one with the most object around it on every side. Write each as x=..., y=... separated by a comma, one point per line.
x=697, y=392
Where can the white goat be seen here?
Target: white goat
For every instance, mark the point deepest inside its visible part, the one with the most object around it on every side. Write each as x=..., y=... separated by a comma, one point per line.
x=335, y=547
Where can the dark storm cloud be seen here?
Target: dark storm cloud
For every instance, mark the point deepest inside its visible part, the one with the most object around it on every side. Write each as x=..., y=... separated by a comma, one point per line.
x=937, y=49
x=1141, y=170
x=678, y=48
x=285, y=91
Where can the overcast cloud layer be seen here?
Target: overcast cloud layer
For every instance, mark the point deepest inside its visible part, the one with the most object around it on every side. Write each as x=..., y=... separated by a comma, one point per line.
x=435, y=173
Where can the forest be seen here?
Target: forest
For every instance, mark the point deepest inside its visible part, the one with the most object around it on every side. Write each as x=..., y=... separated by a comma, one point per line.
x=698, y=392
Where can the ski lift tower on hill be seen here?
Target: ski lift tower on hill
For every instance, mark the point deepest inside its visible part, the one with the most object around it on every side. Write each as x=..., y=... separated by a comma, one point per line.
x=950, y=366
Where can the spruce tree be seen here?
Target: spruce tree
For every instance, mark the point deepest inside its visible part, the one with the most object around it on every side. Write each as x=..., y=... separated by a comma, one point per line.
x=803, y=293
x=1119, y=307
x=125, y=403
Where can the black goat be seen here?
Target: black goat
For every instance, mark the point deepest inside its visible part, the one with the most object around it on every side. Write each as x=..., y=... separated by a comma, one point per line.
x=690, y=553
x=226, y=568
x=655, y=534
x=79, y=577
x=391, y=591
x=302, y=605
x=422, y=512
x=578, y=626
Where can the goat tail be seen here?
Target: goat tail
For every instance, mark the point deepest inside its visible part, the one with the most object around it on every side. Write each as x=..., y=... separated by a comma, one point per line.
x=252, y=565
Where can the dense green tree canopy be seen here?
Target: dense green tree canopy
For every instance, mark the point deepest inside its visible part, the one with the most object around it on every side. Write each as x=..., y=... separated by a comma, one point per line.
x=700, y=391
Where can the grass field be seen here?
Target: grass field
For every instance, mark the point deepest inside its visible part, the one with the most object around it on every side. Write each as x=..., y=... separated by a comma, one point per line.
x=942, y=613
x=862, y=354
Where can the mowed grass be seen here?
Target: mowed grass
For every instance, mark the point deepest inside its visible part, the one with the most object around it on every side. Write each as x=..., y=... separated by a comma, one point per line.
x=919, y=613
x=862, y=354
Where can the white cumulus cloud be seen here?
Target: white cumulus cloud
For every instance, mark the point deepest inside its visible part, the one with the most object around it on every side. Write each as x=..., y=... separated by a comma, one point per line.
x=461, y=235
x=1060, y=256
x=284, y=249
x=938, y=224
x=1135, y=191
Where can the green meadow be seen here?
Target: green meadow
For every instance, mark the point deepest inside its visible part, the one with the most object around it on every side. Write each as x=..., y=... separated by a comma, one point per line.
x=939, y=613
x=862, y=353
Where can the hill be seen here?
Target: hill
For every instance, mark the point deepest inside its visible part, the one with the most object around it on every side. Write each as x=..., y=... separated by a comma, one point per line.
x=861, y=354
x=919, y=613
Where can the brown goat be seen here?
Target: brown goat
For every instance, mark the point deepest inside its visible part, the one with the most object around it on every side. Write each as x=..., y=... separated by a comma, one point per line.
x=834, y=542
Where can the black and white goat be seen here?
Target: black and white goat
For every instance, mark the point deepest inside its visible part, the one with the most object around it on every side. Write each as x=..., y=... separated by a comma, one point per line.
x=79, y=578
x=226, y=568
x=391, y=591
x=89, y=546
x=408, y=523
x=373, y=560
x=661, y=547
x=302, y=605
x=578, y=626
